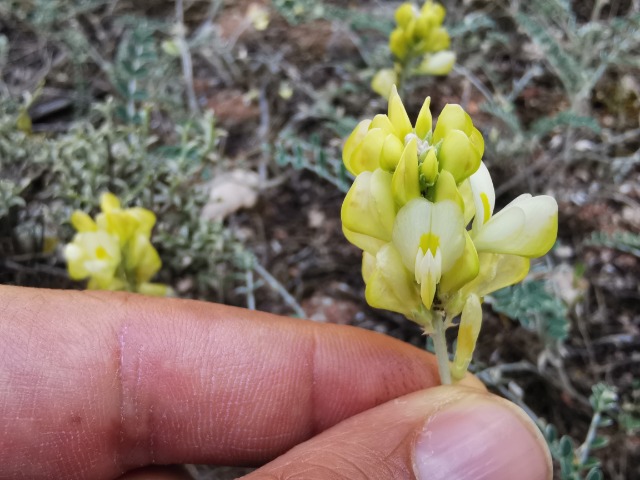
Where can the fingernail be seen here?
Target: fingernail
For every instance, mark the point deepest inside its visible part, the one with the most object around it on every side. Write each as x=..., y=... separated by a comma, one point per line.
x=478, y=441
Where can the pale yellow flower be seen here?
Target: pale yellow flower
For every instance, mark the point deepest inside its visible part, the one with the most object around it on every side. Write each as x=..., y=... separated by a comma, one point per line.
x=93, y=254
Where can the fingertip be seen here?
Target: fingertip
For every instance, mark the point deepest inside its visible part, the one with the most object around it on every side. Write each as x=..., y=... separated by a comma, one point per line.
x=481, y=437
x=471, y=381
x=444, y=432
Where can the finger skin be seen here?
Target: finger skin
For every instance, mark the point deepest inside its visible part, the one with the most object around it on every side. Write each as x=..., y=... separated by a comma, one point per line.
x=380, y=444
x=93, y=384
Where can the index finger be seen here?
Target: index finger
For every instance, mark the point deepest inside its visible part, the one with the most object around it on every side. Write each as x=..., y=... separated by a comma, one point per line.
x=94, y=384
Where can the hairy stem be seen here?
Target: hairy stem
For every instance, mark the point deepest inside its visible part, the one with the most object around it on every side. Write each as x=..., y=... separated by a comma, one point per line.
x=585, y=448
x=442, y=355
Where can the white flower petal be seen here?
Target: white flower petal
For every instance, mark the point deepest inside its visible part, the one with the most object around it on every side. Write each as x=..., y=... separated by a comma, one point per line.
x=447, y=222
x=500, y=231
x=418, y=217
x=528, y=226
x=72, y=252
x=368, y=208
x=484, y=196
x=362, y=241
x=413, y=221
x=439, y=63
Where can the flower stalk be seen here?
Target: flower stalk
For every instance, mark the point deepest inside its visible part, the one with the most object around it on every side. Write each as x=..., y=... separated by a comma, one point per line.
x=440, y=346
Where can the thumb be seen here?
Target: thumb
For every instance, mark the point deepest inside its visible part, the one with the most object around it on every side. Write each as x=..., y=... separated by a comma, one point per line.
x=449, y=432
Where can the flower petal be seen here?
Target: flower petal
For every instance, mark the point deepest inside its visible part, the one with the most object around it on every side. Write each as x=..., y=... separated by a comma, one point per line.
x=413, y=220
x=363, y=242
x=467, y=198
x=405, y=183
x=83, y=222
x=369, y=208
x=392, y=150
x=428, y=286
x=398, y=43
x=383, y=80
x=398, y=115
x=468, y=332
x=439, y=63
x=74, y=256
x=425, y=120
x=142, y=258
x=382, y=121
x=463, y=271
x=447, y=222
x=484, y=196
x=404, y=14
x=354, y=141
x=368, y=265
x=155, y=289
x=452, y=117
x=109, y=202
x=528, y=226
x=496, y=272
x=458, y=155
x=446, y=189
x=366, y=156
x=429, y=167
x=390, y=286
x=420, y=216
x=434, y=11
x=437, y=40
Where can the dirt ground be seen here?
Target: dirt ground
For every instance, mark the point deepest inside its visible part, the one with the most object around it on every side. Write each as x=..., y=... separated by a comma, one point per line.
x=294, y=227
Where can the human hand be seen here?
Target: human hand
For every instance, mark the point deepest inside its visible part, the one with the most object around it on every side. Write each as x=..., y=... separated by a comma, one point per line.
x=95, y=384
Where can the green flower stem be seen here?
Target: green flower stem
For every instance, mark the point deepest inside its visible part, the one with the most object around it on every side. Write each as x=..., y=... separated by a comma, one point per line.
x=404, y=71
x=442, y=355
x=583, y=451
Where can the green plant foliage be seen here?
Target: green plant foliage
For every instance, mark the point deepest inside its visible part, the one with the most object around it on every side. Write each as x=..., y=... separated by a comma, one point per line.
x=565, y=66
x=115, y=148
x=303, y=11
x=579, y=54
x=535, y=308
x=575, y=462
x=566, y=118
x=603, y=398
x=10, y=196
x=623, y=241
x=310, y=155
x=298, y=11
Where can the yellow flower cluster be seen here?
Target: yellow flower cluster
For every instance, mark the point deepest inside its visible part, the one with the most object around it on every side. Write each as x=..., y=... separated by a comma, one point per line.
x=114, y=251
x=422, y=210
x=419, y=34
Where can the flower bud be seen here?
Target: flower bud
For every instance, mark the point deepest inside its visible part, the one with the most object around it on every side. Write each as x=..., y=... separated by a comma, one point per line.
x=434, y=12
x=83, y=222
x=368, y=210
x=439, y=63
x=438, y=40
x=405, y=184
x=392, y=150
x=389, y=285
x=424, y=121
x=429, y=167
x=404, y=14
x=462, y=144
x=398, y=115
x=383, y=81
x=468, y=332
x=446, y=189
x=354, y=143
x=398, y=44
